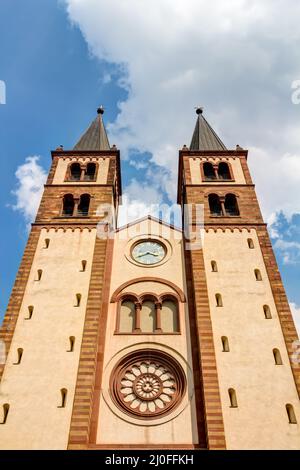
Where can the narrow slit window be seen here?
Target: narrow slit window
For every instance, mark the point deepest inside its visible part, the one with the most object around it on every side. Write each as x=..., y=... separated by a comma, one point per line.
x=250, y=243
x=71, y=343
x=214, y=266
x=83, y=265
x=39, y=274
x=277, y=357
x=219, y=300
x=267, y=312
x=30, y=312
x=257, y=274
x=47, y=243
x=78, y=300
x=232, y=398
x=5, y=410
x=19, y=356
x=225, y=344
x=291, y=414
x=63, y=393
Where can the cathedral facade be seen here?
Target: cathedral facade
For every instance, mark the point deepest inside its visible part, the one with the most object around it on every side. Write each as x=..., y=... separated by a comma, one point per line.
x=136, y=338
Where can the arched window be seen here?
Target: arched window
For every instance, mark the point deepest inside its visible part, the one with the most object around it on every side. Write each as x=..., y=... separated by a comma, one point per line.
x=84, y=204
x=169, y=316
x=5, y=410
x=63, y=394
x=232, y=398
x=39, y=274
x=68, y=205
x=257, y=274
x=148, y=317
x=231, y=205
x=127, y=317
x=250, y=243
x=90, y=172
x=223, y=171
x=47, y=243
x=71, y=343
x=267, y=311
x=225, y=344
x=214, y=205
x=291, y=413
x=75, y=172
x=208, y=171
x=219, y=300
x=214, y=266
x=277, y=357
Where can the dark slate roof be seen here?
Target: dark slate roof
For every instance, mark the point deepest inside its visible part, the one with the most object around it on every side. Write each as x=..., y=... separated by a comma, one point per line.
x=204, y=137
x=95, y=137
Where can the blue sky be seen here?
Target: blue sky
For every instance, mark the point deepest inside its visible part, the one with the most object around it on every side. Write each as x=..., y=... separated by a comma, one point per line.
x=60, y=60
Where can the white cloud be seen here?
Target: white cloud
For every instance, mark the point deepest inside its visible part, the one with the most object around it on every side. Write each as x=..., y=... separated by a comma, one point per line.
x=31, y=179
x=237, y=58
x=296, y=315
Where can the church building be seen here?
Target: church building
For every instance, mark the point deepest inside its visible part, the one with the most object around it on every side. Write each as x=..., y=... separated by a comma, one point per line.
x=134, y=337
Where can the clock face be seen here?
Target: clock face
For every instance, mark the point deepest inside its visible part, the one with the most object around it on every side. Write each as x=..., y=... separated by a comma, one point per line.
x=148, y=252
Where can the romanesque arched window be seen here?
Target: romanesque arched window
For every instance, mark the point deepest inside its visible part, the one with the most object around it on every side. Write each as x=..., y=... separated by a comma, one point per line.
x=90, y=172
x=148, y=314
x=84, y=204
x=148, y=320
x=169, y=315
x=127, y=316
x=231, y=205
x=75, y=172
x=215, y=205
x=208, y=170
x=224, y=171
x=68, y=205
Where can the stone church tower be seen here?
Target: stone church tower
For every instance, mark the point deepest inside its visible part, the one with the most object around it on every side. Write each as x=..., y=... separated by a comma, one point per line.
x=140, y=340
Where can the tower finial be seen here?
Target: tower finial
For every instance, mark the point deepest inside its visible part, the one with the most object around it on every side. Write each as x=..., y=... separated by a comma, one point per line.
x=100, y=110
x=199, y=110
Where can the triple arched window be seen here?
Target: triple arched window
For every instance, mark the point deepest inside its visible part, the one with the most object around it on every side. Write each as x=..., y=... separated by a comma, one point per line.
x=221, y=206
x=76, y=207
x=148, y=314
x=81, y=172
x=216, y=172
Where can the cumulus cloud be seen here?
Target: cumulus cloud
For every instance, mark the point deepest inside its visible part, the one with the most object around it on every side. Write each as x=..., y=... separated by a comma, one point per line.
x=296, y=315
x=31, y=179
x=237, y=58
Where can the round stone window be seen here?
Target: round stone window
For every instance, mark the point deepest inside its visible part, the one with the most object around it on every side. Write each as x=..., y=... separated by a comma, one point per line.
x=147, y=384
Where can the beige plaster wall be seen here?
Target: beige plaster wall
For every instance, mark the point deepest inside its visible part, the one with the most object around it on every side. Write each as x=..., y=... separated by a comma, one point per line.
x=263, y=388
x=62, y=166
x=182, y=429
x=33, y=388
x=235, y=163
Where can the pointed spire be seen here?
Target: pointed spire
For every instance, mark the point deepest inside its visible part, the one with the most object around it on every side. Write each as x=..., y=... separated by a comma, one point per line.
x=95, y=137
x=204, y=137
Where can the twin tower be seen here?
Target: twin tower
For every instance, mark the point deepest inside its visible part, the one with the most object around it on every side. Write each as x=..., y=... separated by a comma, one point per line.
x=140, y=341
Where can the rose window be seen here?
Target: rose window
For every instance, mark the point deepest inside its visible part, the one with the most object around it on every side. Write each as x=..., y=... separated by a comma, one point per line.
x=148, y=384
